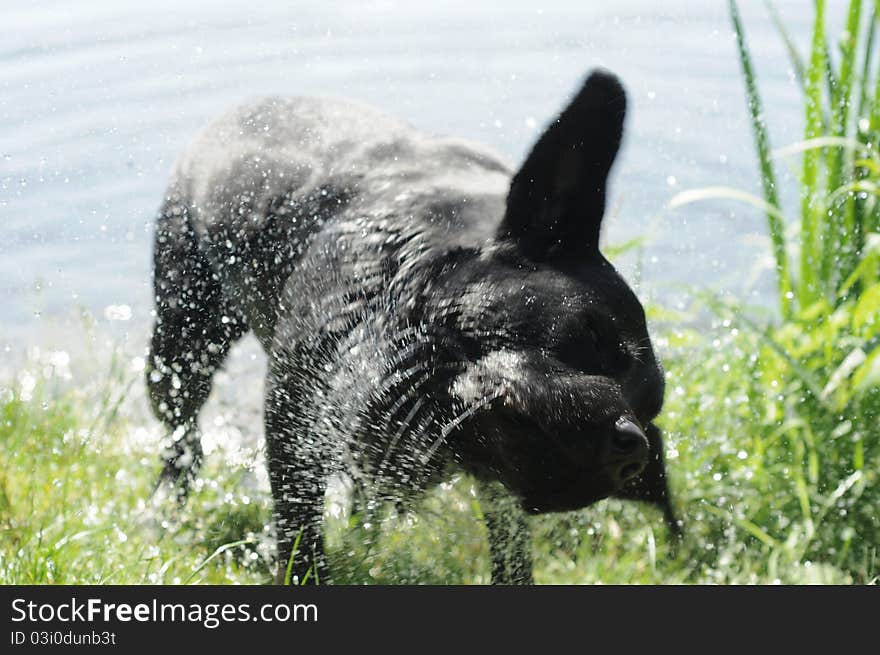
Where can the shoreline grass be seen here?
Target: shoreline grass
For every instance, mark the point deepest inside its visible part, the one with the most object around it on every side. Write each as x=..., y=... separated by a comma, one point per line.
x=75, y=501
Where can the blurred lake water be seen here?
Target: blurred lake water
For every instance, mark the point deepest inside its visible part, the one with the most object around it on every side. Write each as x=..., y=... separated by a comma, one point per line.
x=97, y=99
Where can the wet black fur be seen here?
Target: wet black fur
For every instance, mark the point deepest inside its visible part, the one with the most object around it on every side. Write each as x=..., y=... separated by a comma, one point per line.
x=423, y=313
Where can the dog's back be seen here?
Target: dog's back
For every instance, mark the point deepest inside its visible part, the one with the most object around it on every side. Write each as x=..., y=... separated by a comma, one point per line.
x=257, y=182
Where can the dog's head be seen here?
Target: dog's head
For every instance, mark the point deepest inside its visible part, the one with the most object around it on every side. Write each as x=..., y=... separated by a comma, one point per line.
x=561, y=380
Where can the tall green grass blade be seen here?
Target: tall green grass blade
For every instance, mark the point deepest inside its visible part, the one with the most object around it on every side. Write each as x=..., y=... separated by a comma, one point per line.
x=874, y=123
x=871, y=220
x=868, y=62
x=861, y=209
x=848, y=47
x=219, y=551
x=797, y=62
x=768, y=175
x=809, y=289
x=843, y=235
x=822, y=142
x=865, y=269
x=830, y=75
x=288, y=570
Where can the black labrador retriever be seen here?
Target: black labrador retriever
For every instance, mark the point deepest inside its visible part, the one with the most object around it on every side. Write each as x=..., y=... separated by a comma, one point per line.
x=424, y=311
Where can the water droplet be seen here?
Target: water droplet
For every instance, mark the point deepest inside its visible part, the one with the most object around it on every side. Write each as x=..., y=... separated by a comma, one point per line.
x=117, y=312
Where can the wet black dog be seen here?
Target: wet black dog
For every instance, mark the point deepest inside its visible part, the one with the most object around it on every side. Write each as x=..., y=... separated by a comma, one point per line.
x=423, y=312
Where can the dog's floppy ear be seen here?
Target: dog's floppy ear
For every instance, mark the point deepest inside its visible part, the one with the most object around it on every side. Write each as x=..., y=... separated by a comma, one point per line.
x=556, y=200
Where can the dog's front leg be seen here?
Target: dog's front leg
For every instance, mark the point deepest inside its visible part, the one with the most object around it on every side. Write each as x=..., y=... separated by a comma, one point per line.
x=299, y=480
x=300, y=463
x=510, y=540
x=298, y=517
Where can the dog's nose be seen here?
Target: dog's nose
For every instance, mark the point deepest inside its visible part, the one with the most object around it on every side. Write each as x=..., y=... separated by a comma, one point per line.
x=628, y=454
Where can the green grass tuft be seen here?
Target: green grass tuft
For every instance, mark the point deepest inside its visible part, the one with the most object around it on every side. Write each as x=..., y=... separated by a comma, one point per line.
x=758, y=496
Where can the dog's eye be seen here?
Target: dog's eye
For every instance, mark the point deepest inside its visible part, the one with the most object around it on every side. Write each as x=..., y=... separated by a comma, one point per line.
x=583, y=351
x=591, y=352
x=593, y=336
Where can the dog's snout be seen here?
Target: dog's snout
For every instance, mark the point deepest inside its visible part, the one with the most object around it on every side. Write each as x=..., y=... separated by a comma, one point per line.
x=644, y=392
x=627, y=437
x=629, y=451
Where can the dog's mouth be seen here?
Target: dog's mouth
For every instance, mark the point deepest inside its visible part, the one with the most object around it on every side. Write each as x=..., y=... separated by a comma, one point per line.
x=574, y=495
x=562, y=473
x=630, y=471
x=554, y=482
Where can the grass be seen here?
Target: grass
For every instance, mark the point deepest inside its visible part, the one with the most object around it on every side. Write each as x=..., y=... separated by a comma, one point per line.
x=772, y=419
x=77, y=476
x=75, y=481
x=811, y=375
